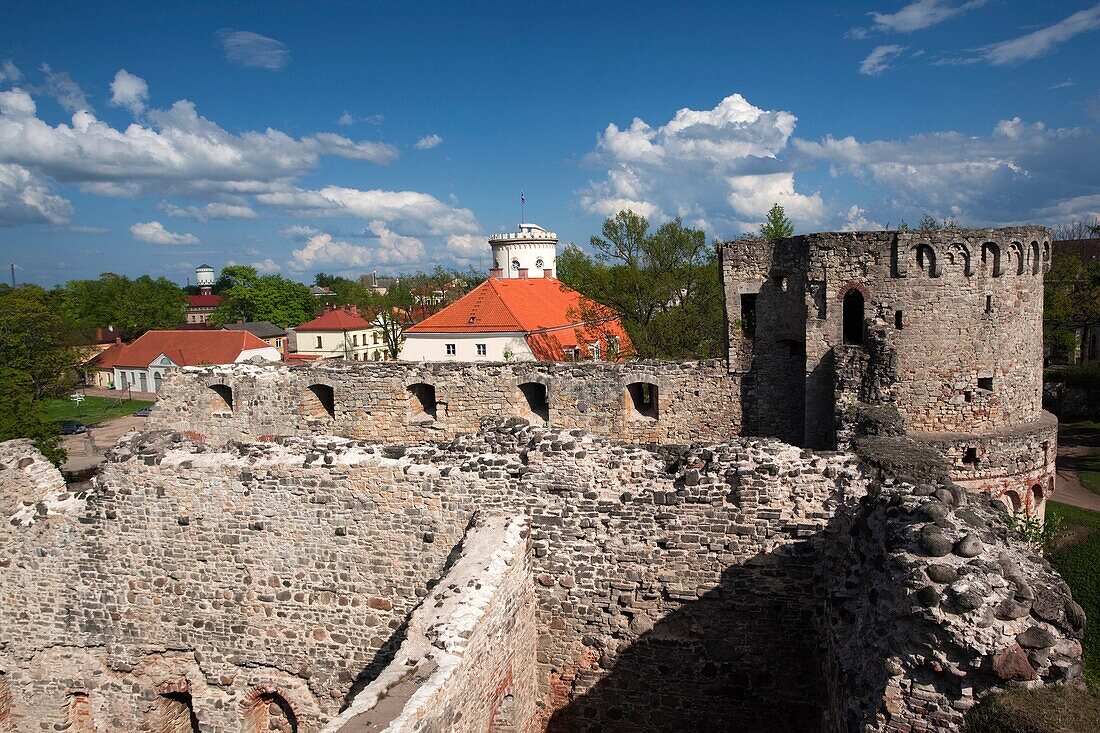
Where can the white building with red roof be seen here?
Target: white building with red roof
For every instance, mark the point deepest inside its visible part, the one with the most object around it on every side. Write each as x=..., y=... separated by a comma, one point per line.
x=142, y=364
x=340, y=332
x=519, y=315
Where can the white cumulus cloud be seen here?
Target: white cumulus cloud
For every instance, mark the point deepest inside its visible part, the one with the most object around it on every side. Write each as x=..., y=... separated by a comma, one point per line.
x=718, y=169
x=321, y=250
x=428, y=142
x=245, y=48
x=129, y=91
x=25, y=198
x=154, y=232
x=209, y=212
x=409, y=212
x=172, y=150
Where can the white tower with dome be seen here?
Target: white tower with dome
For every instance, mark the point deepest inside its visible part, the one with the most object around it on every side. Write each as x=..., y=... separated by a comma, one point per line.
x=530, y=252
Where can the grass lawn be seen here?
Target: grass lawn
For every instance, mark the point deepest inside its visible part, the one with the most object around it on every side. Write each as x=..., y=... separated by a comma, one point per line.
x=1084, y=433
x=92, y=410
x=1077, y=559
x=1046, y=710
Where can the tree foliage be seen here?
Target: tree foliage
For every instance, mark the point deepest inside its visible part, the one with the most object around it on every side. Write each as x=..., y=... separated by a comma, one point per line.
x=36, y=361
x=35, y=340
x=664, y=285
x=131, y=306
x=19, y=417
x=1078, y=229
x=248, y=296
x=1071, y=300
x=777, y=225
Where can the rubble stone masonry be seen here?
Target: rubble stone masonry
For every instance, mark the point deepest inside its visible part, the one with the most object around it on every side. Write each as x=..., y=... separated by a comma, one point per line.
x=258, y=586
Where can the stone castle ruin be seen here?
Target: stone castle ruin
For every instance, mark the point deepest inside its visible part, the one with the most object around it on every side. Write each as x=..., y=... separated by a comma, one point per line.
x=806, y=536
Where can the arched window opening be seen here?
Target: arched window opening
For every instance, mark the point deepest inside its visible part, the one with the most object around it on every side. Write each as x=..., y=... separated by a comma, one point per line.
x=991, y=259
x=422, y=402
x=853, y=317
x=1037, y=496
x=269, y=711
x=1012, y=500
x=1035, y=257
x=643, y=401
x=535, y=402
x=5, y=703
x=221, y=398
x=320, y=402
x=175, y=713
x=926, y=260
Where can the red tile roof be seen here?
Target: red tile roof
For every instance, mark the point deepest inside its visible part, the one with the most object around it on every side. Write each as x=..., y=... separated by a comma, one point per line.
x=188, y=348
x=107, y=358
x=204, y=301
x=340, y=319
x=551, y=314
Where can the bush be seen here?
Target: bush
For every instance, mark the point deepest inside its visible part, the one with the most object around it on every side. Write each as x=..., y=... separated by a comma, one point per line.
x=1078, y=375
x=1077, y=563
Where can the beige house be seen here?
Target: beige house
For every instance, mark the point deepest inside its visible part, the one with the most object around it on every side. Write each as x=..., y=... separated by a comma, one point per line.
x=341, y=333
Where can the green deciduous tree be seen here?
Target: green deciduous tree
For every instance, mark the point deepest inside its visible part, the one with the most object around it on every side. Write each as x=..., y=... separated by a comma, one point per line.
x=19, y=417
x=35, y=340
x=664, y=285
x=393, y=314
x=248, y=296
x=777, y=225
x=132, y=306
x=1071, y=300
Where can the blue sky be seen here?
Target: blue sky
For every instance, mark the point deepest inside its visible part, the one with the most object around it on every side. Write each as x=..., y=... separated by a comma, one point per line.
x=341, y=137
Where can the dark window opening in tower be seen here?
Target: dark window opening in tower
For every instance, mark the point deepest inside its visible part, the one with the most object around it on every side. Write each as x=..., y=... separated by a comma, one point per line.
x=853, y=317
x=748, y=315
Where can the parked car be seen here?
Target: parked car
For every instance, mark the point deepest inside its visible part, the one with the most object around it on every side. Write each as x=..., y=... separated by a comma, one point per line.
x=143, y=412
x=72, y=428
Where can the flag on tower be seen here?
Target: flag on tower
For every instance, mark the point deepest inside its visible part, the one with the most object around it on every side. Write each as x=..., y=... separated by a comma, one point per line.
x=522, y=198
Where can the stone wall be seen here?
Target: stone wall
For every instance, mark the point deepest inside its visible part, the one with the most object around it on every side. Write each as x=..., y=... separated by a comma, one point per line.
x=466, y=662
x=260, y=586
x=694, y=401
x=287, y=569
x=931, y=603
x=962, y=308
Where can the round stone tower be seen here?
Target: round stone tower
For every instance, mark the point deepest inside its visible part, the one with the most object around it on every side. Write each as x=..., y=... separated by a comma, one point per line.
x=944, y=326
x=530, y=252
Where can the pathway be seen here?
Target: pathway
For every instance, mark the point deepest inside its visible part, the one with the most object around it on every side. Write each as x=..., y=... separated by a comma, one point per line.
x=1075, y=441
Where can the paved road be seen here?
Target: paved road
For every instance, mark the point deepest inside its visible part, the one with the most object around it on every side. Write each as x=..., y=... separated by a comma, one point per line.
x=88, y=449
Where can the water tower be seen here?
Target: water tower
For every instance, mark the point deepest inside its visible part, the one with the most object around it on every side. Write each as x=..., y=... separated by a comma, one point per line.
x=204, y=278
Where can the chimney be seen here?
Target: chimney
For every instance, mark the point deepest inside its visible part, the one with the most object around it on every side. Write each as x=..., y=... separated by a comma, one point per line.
x=496, y=273
x=548, y=273
x=523, y=273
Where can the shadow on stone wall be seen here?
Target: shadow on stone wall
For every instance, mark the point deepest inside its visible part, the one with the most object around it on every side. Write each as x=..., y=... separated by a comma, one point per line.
x=744, y=656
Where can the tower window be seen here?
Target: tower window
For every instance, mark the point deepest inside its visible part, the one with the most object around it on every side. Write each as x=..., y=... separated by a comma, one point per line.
x=539, y=263
x=748, y=315
x=515, y=265
x=971, y=456
x=989, y=304
x=985, y=383
x=853, y=317
x=899, y=320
